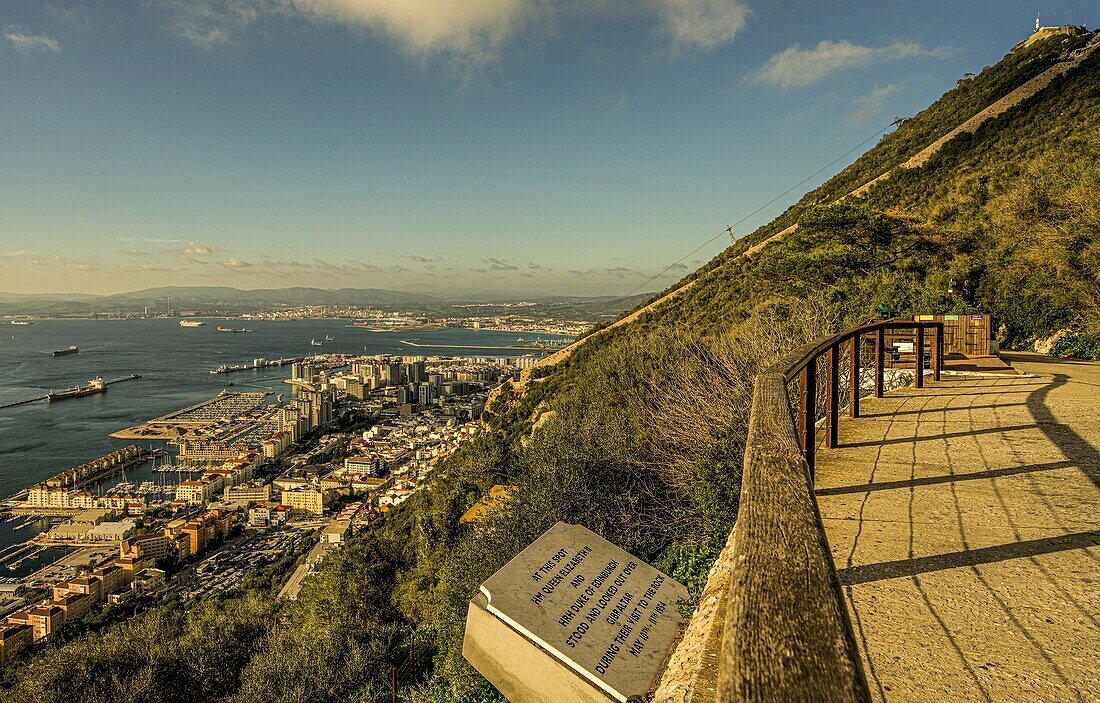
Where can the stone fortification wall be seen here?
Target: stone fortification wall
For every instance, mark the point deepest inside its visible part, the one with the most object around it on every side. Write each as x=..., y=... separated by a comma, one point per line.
x=1014, y=98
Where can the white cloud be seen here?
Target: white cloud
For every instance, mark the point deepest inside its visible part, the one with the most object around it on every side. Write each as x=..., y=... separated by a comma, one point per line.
x=144, y=240
x=194, y=251
x=31, y=43
x=208, y=23
x=871, y=103
x=701, y=24
x=795, y=67
x=75, y=264
x=149, y=267
x=475, y=31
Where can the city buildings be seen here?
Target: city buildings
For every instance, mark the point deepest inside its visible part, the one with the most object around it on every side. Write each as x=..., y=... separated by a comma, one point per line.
x=417, y=410
x=309, y=500
x=14, y=636
x=250, y=492
x=213, y=482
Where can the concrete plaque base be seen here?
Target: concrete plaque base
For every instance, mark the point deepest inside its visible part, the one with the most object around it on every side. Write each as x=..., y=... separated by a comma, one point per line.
x=519, y=668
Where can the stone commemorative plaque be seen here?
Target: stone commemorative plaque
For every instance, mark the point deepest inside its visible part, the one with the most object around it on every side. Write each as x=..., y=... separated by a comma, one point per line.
x=604, y=613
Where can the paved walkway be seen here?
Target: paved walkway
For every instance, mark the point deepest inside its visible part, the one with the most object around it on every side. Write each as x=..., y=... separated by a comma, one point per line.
x=964, y=521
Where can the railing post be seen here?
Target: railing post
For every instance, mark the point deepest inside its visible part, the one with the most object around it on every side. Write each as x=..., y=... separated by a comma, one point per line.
x=832, y=397
x=808, y=412
x=802, y=409
x=918, y=347
x=853, y=375
x=938, y=364
x=880, y=359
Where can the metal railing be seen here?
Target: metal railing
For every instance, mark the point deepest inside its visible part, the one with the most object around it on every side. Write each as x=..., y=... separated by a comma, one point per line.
x=787, y=635
x=802, y=364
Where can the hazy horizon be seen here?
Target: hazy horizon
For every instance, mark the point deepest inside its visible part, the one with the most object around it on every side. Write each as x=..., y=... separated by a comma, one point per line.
x=444, y=295
x=551, y=148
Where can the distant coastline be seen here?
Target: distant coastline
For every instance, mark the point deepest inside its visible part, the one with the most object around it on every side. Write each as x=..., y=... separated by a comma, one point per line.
x=418, y=345
x=428, y=327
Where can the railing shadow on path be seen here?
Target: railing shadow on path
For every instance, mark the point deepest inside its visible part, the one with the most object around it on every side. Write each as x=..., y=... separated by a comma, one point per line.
x=1078, y=452
x=1075, y=447
x=903, y=568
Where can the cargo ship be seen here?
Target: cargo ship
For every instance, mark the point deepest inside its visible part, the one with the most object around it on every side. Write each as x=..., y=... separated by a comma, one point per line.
x=65, y=352
x=235, y=330
x=96, y=385
x=192, y=323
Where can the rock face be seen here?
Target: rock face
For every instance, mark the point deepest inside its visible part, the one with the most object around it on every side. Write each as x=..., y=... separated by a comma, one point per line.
x=1042, y=33
x=691, y=675
x=1045, y=346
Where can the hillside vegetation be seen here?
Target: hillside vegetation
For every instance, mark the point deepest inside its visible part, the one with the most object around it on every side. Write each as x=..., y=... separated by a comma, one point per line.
x=640, y=434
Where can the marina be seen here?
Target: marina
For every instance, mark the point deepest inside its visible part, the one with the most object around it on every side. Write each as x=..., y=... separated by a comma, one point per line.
x=182, y=399
x=93, y=471
x=34, y=551
x=174, y=363
x=195, y=420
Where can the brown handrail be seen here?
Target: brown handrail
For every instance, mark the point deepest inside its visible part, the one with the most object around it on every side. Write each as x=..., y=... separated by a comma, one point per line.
x=787, y=635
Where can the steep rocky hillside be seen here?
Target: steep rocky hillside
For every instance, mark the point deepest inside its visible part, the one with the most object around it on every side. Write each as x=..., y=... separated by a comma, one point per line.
x=960, y=188
x=1003, y=210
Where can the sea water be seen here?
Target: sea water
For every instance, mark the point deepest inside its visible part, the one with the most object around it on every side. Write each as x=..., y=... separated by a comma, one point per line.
x=41, y=439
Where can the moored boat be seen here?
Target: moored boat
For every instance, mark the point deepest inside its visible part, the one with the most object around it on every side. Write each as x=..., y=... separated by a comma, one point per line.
x=96, y=385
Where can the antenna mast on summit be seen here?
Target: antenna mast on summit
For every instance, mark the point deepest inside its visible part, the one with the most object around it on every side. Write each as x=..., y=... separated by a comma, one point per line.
x=1036, y=21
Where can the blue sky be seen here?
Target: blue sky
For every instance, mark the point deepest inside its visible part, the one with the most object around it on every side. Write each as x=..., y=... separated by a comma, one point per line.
x=536, y=146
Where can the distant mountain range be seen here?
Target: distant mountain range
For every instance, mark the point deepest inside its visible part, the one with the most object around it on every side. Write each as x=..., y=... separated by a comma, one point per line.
x=202, y=299
x=226, y=300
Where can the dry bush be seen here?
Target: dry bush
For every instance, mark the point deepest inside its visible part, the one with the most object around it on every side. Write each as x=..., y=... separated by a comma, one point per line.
x=704, y=390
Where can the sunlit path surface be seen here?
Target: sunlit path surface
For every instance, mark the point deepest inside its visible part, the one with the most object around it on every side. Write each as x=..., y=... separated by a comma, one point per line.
x=964, y=520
